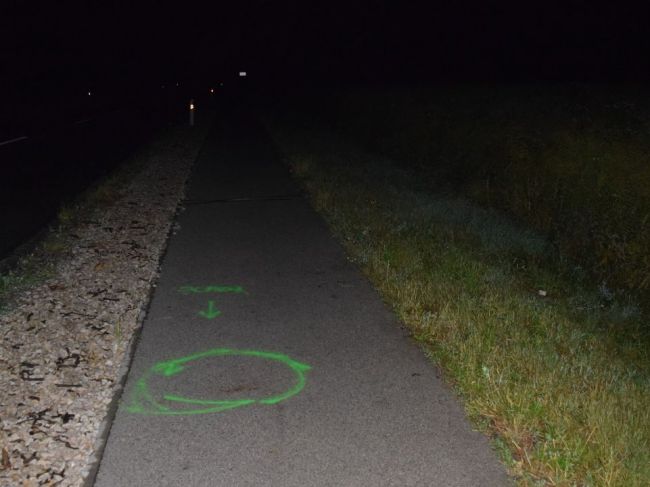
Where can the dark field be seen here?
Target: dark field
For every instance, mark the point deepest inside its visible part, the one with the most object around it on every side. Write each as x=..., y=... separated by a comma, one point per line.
x=571, y=161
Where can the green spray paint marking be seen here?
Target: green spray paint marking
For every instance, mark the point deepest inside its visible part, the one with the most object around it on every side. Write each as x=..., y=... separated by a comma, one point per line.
x=211, y=312
x=143, y=402
x=211, y=289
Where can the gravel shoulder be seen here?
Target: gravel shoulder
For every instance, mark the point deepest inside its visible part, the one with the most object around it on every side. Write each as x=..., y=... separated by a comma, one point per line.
x=64, y=343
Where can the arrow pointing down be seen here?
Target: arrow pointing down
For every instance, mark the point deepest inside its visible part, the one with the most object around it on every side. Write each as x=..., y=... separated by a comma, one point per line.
x=211, y=312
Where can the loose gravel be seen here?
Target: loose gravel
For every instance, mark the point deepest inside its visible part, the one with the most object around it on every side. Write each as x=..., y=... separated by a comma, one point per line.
x=64, y=344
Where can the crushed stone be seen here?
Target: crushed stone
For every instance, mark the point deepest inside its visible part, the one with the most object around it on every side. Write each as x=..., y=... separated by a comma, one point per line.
x=64, y=344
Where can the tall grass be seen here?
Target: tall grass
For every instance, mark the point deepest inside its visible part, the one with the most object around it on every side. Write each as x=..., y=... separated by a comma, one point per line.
x=555, y=370
x=571, y=161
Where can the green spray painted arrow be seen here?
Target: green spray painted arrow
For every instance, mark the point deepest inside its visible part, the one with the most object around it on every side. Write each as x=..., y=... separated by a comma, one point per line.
x=211, y=312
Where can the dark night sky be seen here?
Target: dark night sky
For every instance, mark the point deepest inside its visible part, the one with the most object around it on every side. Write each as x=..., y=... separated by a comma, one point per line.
x=70, y=42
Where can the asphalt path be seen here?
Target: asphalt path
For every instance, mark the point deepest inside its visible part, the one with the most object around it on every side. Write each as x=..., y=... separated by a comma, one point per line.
x=267, y=358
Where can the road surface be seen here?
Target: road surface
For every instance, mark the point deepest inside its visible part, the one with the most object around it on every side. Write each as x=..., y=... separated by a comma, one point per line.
x=267, y=359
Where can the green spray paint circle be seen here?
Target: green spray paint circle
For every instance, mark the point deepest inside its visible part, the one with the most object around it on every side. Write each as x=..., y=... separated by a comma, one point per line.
x=143, y=401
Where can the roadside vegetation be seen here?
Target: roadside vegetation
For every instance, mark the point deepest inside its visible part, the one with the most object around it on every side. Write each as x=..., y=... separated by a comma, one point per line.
x=550, y=363
x=572, y=161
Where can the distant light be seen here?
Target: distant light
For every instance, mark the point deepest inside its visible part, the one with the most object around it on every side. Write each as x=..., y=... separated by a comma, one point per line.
x=242, y=74
x=220, y=84
x=211, y=90
x=191, y=106
x=178, y=84
x=89, y=93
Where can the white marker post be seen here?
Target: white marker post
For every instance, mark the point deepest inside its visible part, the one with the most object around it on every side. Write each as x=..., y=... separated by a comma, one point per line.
x=192, y=112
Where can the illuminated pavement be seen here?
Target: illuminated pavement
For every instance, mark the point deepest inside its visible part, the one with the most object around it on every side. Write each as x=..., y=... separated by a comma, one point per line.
x=268, y=359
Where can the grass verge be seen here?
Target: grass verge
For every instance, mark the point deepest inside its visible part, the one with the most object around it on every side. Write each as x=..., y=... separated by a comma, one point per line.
x=570, y=160
x=553, y=368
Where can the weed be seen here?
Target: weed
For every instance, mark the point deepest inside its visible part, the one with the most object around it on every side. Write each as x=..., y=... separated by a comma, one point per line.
x=55, y=244
x=30, y=271
x=105, y=194
x=65, y=215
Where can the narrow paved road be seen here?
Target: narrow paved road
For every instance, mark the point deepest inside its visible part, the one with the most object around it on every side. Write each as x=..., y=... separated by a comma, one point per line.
x=267, y=359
